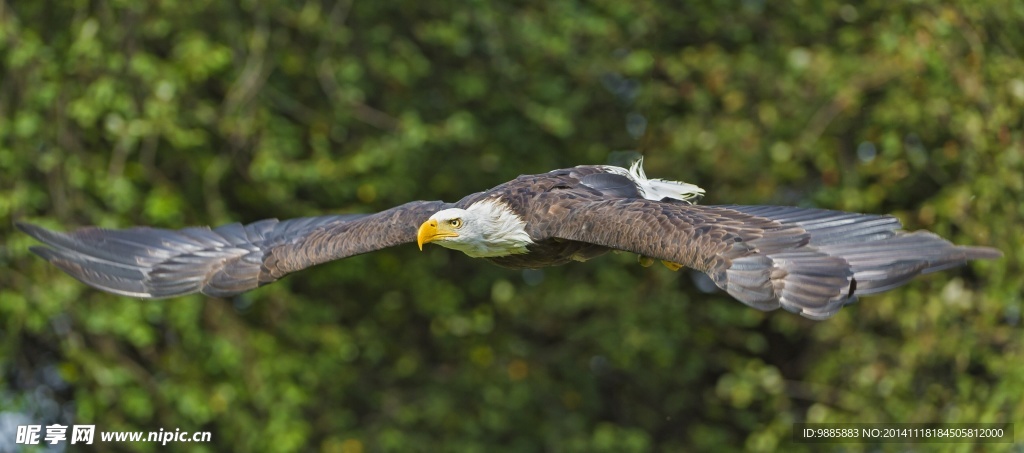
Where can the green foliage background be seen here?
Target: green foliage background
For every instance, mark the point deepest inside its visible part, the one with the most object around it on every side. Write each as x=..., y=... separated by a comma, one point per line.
x=174, y=113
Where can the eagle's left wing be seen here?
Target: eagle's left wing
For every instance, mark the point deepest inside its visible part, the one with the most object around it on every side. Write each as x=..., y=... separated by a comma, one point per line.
x=808, y=261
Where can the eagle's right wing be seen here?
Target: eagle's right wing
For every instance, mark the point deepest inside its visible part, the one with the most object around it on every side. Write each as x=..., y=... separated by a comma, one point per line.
x=225, y=261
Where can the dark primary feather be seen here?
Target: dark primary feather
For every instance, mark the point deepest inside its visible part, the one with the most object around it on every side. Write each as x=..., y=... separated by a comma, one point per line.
x=611, y=185
x=808, y=261
x=224, y=261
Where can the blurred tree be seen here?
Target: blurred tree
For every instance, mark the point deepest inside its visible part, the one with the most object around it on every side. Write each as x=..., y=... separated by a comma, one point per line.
x=175, y=113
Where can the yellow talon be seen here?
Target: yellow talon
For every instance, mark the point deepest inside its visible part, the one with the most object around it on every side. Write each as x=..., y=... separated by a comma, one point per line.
x=645, y=261
x=671, y=265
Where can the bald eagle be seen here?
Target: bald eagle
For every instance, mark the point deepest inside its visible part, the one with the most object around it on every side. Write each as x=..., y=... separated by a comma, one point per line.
x=807, y=261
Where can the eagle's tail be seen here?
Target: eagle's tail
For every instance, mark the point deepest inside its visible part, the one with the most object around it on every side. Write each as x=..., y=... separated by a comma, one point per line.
x=660, y=189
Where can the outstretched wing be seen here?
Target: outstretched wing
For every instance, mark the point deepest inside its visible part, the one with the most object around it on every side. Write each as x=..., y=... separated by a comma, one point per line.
x=228, y=260
x=808, y=261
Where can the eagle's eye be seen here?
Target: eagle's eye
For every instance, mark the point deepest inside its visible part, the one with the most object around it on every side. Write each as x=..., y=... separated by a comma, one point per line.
x=455, y=223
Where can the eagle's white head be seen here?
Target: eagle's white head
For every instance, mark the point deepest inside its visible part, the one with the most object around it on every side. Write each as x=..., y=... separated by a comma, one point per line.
x=487, y=228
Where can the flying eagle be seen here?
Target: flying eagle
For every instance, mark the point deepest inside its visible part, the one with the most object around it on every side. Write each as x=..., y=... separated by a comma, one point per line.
x=808, y=261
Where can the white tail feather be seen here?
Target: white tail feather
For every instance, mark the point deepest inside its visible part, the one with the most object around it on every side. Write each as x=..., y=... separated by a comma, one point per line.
x=658, y=189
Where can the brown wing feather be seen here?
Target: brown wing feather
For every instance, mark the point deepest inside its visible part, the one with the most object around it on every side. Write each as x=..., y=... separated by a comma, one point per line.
x=808, y=261
x=228, y=260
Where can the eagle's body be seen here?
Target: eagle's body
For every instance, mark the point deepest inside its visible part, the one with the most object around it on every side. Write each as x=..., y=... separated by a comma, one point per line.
x=535, y=201
x=808, y=261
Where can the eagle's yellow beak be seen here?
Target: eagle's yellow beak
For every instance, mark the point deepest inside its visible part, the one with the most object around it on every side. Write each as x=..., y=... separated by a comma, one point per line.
x=430, y=232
